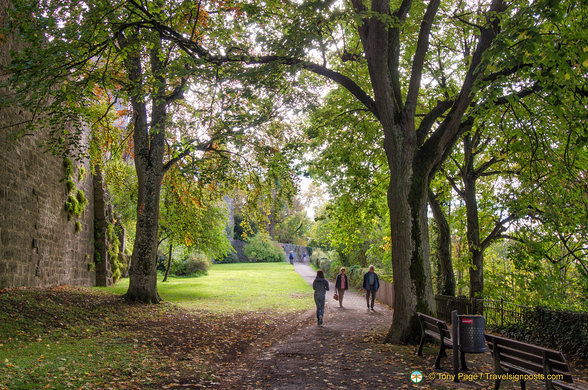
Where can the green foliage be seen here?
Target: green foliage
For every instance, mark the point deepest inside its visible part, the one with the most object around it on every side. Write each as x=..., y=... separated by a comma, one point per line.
x=116, y=266
x=69, y=168
x=193, y=264
x=343, y=139
x=230, y=258
x=331, y=265
x=244, y=227
x=76, y=199
x=72, y=206
x=562, y=330
x=529, y=278
x=356, y=230
x=120, y=179
x=193, y=216
x=81, y=172
x=268, y=200
x=317, y=256
x=261, y=248
x=294, y=226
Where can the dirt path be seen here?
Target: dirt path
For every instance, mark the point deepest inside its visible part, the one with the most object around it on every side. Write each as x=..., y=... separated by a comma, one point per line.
x=339, y=354
x=347, y=352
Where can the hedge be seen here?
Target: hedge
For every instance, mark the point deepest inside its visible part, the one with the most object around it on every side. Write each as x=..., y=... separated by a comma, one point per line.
x=565, y=331
x=330, y=264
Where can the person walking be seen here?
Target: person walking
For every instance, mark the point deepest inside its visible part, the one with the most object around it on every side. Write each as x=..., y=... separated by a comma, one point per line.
x=320, y=286
x=291, y=257
x=341, y=284
x=371, y=284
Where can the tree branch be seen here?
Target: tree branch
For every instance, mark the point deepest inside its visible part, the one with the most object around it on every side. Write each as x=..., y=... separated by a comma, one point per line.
x=498, y=229
x=419, y=58
x=460, y=193
x=429, y=120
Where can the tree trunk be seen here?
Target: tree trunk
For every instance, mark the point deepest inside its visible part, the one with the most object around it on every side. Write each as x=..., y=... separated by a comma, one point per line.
x=404, y=293
x=143, y=272
x=149, y=148
x=407, y=200
x=472, y=222
x=447, y=278
x=169, y=257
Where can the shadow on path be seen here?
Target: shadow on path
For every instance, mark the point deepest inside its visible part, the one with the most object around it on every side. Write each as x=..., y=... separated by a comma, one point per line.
x=347, y=353
x=338, y=354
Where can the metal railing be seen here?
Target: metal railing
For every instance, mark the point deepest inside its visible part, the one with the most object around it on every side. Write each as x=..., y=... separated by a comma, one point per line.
x=496, y=312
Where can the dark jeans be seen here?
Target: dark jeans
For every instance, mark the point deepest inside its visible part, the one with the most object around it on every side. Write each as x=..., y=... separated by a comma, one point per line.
x=319, y=300
x=372, y=292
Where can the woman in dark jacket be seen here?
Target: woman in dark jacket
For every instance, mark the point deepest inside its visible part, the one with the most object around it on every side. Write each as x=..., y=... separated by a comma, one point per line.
x=320, y=286
x=341, y=284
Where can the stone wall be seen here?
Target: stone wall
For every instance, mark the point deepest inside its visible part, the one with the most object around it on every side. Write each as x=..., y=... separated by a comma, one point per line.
x=298, y=251
x=39, y=247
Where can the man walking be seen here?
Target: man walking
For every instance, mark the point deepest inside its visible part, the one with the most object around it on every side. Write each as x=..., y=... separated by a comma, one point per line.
x=371, y=284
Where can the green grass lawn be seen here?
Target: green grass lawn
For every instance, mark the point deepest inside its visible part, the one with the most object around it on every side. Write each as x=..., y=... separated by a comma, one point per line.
x=90, y=338
x=236, y=287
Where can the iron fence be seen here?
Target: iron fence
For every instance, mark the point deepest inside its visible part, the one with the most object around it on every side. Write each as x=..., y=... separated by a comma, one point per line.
x=495, y=312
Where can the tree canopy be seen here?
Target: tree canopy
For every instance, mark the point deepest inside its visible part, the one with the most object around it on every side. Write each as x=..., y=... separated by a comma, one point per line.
x=205, y=79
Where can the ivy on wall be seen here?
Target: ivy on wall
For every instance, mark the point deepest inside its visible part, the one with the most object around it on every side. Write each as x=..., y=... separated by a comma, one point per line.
x=114, y=252
x=76, y=199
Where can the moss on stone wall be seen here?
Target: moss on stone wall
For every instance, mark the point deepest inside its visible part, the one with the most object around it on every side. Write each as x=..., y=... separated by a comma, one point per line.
x=76, y=199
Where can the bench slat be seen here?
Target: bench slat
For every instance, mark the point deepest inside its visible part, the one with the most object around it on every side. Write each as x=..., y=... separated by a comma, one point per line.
x=533, y=357
x=523, y=367
x=524, y=358
x=552, y=354
x=565, y=385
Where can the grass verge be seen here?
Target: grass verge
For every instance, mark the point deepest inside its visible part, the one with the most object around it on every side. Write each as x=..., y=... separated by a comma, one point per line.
x=237, y=287
x=81, y=338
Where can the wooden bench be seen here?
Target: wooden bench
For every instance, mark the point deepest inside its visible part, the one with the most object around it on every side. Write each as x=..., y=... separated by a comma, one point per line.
x=528, y=361
x=438, y=330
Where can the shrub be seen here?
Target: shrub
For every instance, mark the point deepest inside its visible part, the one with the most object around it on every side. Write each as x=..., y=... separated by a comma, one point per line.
x=193, y=264
x=231, y=257
x=331, y=263
x=316, y=256
x=355, y=274
x=559, y=329
x=261, y=248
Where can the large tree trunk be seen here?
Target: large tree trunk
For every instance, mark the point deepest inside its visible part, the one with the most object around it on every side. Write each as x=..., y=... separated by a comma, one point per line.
x=447, y=278
x=472, y=223
x=143, y=272
x=407, y=202
x=400, y=234
x=149, y=148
